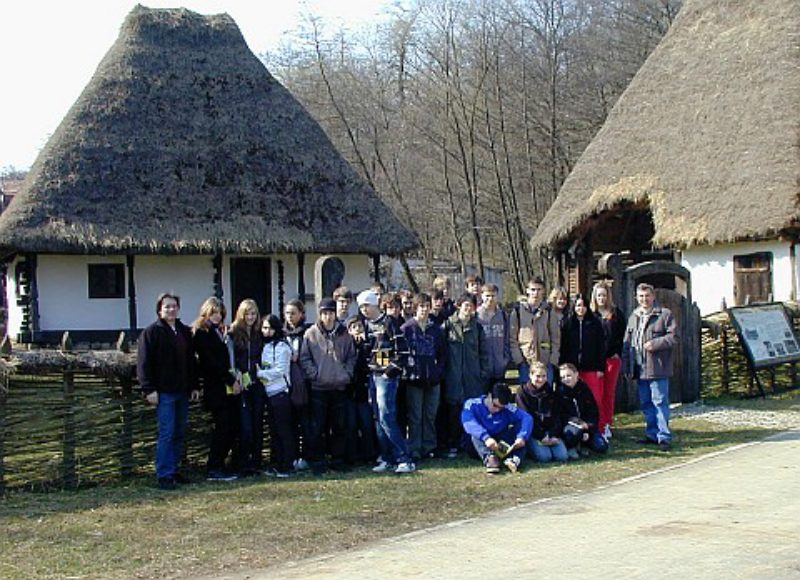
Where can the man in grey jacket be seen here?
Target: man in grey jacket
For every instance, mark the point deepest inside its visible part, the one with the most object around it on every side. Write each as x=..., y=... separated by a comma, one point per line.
x=647, y=357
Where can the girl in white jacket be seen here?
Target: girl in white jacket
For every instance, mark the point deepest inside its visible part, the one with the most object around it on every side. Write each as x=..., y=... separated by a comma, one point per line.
x=274, y=374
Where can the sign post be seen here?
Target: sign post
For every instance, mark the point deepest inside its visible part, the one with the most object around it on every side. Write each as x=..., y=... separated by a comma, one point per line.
x=766, y=334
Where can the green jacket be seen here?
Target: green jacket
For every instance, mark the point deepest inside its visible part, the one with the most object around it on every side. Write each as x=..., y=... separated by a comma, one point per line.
x=467, y=369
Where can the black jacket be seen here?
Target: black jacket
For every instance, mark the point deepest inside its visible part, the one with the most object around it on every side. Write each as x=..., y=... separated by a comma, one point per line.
x=214, y=366
x=358, y=389
x=579, y=402
x=389, y=346
x=582, y=343
x=247, y=354
x=545, y=408
x=428, y=349
x=165, y=359
x=614, y=332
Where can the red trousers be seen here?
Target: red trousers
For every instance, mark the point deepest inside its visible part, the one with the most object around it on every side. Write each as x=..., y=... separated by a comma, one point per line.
x=604, y=390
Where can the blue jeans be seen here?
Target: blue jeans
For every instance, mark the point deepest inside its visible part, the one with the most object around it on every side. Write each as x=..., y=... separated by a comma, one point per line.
x=547, y=453
x=383, y=393
x=422, y=404
x=509, y=436
x=573, y=437
x=172, y=413
x=654, y=400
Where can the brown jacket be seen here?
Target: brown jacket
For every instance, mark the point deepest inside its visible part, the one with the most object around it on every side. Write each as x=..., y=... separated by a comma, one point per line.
x=328, y=358
x=535, y=334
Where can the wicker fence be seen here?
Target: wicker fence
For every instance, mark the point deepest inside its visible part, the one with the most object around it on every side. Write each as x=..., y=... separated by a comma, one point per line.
x=70, y=429
x=724, y=367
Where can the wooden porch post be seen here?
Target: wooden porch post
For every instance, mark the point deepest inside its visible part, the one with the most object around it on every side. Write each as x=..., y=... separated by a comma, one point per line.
x=133, y=321
x=301, y=277
x=216, y=262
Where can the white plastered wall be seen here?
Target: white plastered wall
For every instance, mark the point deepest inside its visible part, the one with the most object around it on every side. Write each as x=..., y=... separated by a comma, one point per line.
x=190, y=277
x=712, y=271
x=64, y=303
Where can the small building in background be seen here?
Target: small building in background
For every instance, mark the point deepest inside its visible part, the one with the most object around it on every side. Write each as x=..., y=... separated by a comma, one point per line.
x=184, y=166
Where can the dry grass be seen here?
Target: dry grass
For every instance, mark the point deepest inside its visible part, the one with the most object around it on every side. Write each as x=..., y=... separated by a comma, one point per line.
x=136, y=531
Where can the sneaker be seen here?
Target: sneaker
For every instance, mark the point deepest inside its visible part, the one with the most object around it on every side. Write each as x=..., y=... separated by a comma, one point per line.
x=220, y=476
x=300, y=464
x=573, y=454
x=382, y=467
x=270, y=472
x=405, y=467
x=646, y=441
x=167, y=484
x=285, y=474
x=664, y=446
x=492, y=464
x=452, y=453
x=512, y=463
x=607, y=432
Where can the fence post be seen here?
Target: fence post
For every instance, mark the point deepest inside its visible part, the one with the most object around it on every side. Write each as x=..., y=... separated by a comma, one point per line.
x=68, y=465
x=126, y=434
x=3, y=397
x=724, y=352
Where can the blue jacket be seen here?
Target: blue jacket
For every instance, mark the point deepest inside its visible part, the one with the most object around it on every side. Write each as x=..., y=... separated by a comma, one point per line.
x=479, y=422
x=428, y=353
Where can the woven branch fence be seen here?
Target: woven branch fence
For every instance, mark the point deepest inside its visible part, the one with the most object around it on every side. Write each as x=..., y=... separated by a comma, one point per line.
x=77, y=420
x=724, y=365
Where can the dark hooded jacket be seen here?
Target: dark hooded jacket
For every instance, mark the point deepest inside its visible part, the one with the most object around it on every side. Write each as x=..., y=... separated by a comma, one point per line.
x=467, y=366
x=165, y=360
x=428, y=352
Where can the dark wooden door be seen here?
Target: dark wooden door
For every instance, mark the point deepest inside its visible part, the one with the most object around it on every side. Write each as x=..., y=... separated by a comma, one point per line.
x=252, y=278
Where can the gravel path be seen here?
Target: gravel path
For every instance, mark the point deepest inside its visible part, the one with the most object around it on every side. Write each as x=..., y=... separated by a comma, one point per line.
x=739, y=417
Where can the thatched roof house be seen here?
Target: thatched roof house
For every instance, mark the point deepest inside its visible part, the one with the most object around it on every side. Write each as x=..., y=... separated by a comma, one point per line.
x=703, y=148
x=184, y=144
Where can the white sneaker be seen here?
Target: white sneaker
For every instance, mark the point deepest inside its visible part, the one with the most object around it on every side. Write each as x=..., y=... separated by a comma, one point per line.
x=607, y=432
x=382, y=467
x=512, y=463
x=300, y=464
x=405, y=467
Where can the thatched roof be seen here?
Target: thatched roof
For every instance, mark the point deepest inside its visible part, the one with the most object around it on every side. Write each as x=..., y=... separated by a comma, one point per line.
x=184, y=143
x=707, y=134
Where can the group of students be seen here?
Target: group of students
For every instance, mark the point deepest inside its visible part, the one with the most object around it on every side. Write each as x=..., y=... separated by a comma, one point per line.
x=421, y=375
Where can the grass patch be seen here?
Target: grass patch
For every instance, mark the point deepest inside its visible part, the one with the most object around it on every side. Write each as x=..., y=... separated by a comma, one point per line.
x=136, y=531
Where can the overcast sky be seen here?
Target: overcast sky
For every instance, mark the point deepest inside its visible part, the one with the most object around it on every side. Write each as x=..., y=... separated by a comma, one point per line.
x=50, y=49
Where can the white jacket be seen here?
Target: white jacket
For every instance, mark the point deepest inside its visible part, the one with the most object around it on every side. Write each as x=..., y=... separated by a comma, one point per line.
x=274, y=368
